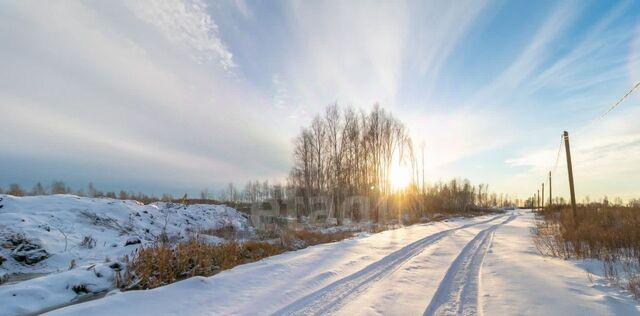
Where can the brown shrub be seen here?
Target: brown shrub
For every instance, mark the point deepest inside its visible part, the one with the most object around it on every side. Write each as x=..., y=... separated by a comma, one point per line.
x=161, y=264
x=226, y=232
x=256, y=250
x=298, y=239
x=608, y=233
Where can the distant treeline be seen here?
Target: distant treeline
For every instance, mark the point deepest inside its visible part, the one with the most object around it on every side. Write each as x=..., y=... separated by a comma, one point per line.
x=253, y=191
x=344, y=152
x=59, y=187
x=604, y=202
x=454, y=195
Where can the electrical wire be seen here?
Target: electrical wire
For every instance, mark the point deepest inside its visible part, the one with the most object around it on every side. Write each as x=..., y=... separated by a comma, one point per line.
x=555, y=168
x=610, y=109
x=592, y=122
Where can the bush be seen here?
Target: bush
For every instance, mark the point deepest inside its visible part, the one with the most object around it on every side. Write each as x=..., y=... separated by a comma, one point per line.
x=608, y=233
x=298, y=239
x=161, y=264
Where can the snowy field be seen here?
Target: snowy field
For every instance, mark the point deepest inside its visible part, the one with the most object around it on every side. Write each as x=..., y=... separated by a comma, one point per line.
x=486, y=265
x=73, y=244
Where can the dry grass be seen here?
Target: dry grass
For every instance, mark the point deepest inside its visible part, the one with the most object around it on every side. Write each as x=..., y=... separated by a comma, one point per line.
x=608, y=233
x=226, y=232
x=298, y=239
x=161, y=264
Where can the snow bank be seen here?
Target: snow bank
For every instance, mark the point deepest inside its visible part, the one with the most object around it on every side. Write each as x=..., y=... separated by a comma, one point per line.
x=56, y=289
x=50, y=234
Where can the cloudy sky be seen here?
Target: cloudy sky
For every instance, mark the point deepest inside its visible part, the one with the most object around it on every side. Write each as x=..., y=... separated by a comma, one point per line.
x=174, y=96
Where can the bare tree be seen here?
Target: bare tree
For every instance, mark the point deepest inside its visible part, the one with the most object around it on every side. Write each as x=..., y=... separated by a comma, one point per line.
x=64, y=228
x=38, y=189
x=58, y=187
x=204, y=194
x=16, y=190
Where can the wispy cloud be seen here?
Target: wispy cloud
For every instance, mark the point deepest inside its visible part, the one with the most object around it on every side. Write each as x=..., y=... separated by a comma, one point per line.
x=345, y=51
x=535, y=53
x=604, y=157
x=565, y=89
x=242, y=7
x=166, y=90
x=452, y=135
x=186, y=23
x=437, y=28
x=143, y=82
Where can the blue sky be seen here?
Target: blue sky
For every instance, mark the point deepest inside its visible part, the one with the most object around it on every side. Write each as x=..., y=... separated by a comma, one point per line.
x=174, y=96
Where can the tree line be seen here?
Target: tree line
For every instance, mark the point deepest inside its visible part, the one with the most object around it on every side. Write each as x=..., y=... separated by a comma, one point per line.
x=59, y=187
x=253, y=191
x=344, y=152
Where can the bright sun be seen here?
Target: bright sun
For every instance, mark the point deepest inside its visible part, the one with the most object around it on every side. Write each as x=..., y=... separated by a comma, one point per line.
x=400, y=176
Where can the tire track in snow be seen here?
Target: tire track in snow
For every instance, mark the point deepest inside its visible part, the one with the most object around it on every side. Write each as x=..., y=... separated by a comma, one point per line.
x=457, y=293
x=334, y=295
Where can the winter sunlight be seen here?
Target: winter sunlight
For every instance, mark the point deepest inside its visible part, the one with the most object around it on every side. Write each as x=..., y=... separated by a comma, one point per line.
x=319, y=157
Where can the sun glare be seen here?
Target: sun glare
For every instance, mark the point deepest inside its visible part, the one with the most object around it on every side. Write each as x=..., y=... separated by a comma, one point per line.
x=400, y=177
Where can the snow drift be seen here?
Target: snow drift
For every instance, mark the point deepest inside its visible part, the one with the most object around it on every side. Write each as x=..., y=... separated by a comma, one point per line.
x=77, y=242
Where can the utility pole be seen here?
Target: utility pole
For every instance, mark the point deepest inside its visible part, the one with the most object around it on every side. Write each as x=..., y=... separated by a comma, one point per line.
x=424, y=191
x=542, y=200
x=532, y=198
x=570, y=171
x=423, y=181
x=550, y=194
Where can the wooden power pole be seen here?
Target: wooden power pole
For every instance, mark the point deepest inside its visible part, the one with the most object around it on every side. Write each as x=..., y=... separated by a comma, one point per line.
x=550, y=193
x=423, y=182
x=542, y=199
x=570, y=171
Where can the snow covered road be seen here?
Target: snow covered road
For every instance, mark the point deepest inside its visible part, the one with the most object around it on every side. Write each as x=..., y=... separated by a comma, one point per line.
x=486, y=265
x=331, y=297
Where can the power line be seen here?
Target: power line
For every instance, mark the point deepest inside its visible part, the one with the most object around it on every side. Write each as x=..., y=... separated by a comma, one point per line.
x=595, y=120
x=555, y=168
x=620, y=101
x=611, y=108
x=558, y=155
